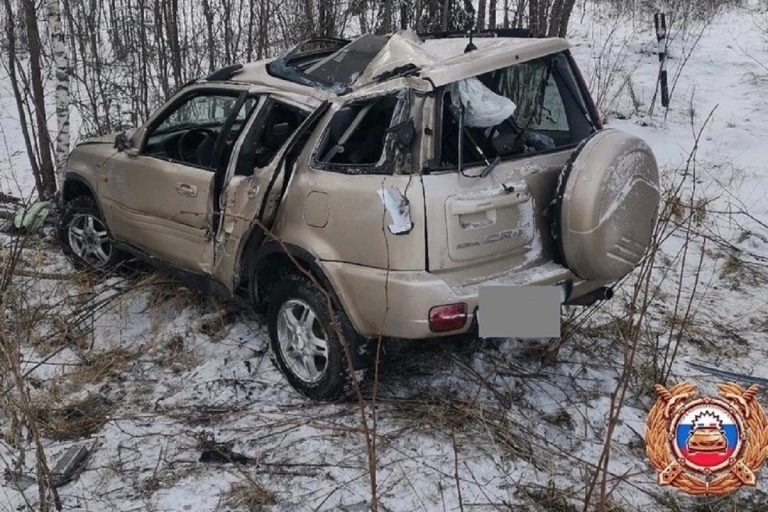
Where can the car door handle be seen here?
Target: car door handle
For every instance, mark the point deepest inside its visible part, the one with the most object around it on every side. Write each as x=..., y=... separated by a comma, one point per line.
x=185, y=189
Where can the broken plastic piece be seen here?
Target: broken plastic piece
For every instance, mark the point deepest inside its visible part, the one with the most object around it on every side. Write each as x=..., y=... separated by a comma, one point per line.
x=399, y=210
x=31, y=218
x=483, y=108
x=69, y=464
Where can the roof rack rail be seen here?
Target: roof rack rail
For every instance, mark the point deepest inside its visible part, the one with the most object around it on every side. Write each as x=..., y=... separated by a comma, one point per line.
x=491, y=32
x=224, y=73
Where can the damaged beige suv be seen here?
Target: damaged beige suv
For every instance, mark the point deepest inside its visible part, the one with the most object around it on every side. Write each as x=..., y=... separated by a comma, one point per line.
x=398, y=173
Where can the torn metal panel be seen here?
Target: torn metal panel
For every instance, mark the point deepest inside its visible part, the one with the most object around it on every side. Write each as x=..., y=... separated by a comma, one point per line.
x=345, y=66
x=491, y=54
x=399, y=210
x=333, y=72
x=403, y=51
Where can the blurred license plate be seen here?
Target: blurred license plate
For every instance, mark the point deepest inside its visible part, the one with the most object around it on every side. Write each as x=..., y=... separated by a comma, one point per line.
x=519, y=311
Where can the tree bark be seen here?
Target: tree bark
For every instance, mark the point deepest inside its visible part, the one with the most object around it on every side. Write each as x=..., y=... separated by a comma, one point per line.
x=481, y=6
x=47, y=176
x=445, y=15
x=172, y=34
x=62, y=86
x=492, y=14
x=10, y=34
x=386, y=18
x=208, y=15
x=564, y=18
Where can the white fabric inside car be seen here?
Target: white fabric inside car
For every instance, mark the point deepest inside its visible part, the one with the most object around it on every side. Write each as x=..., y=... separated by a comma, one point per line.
x=483, y=108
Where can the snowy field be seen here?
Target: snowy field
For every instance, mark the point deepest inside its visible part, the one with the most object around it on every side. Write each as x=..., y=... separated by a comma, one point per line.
x=184, y=411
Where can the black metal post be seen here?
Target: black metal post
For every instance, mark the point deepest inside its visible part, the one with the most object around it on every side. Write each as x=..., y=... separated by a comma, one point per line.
x=660, y=20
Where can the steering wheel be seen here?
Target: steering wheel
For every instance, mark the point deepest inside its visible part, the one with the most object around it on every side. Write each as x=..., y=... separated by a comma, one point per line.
x=190, y=142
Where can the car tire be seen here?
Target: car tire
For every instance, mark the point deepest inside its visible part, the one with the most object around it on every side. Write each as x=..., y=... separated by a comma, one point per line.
x=306, y=347
x=84, y=236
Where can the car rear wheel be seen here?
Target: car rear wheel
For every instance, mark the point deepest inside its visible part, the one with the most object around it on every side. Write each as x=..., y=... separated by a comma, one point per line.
x=84, y=236
x=305, y=342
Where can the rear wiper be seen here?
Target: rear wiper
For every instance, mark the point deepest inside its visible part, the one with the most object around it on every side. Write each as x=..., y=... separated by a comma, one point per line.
x=490, y=167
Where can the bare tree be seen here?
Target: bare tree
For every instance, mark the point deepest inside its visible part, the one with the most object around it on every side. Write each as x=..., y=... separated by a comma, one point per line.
x=29, y=95
x=481, y=7
x=549, y=17
x=62, y=85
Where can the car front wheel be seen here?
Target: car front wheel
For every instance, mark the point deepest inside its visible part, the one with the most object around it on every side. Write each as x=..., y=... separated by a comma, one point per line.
x=305, y=342
x=84, y=236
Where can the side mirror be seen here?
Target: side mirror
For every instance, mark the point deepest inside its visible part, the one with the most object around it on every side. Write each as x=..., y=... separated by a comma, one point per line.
x=404, y=132
x=122, y=141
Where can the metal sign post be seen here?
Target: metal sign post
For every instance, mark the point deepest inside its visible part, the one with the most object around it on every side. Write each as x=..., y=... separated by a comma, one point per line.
x=660, y=20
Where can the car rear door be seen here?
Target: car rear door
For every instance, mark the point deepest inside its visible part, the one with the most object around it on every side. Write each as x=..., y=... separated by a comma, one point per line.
x=256, y=179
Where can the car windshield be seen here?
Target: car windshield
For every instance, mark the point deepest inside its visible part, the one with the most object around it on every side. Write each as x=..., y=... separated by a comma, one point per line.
x=532, y=107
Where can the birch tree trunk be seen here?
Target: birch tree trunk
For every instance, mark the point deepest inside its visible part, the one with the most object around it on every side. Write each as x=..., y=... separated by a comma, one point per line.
x=61, y=62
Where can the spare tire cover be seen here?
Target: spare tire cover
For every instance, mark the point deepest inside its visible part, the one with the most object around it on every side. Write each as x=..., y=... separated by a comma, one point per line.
x=607, y=205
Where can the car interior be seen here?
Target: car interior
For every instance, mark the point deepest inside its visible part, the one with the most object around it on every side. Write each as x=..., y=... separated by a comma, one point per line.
x=265, y=140
x=189, y=134
x=357, y=132
x=548, y=115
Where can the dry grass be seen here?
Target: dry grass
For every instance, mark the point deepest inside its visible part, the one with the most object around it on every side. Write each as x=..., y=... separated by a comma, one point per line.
x=77, y=420
x=216, y=325
x=736, y=272
x=249, y=495
x=550, y=499
x=472, y=418
x=99, y=366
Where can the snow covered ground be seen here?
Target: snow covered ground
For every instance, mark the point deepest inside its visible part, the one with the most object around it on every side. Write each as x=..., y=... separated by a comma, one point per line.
x=178, y=386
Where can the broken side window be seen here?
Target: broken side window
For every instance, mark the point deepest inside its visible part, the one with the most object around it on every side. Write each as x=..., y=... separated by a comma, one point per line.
x=358, y=139
x=268, y=136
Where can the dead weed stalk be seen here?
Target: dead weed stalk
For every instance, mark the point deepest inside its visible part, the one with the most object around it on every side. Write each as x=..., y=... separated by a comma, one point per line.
x=642, y=293
x=16, y=401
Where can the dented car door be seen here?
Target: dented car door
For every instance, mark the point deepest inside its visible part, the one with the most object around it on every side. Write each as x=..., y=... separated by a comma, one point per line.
x=256, y=180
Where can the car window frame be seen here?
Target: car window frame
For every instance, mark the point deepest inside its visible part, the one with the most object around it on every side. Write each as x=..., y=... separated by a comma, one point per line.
x=387, y=167
x=256, y=128
x=240, y=95
x=584, y=97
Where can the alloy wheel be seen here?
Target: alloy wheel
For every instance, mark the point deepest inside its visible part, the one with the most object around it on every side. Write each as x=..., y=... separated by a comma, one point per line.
x=302, y=340
x=89, y=240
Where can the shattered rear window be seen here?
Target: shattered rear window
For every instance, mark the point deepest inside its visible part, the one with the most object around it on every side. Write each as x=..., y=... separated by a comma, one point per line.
x=526, y=108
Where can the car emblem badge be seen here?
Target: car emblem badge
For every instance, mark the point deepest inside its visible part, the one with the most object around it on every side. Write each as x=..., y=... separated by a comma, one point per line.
x=707, y=445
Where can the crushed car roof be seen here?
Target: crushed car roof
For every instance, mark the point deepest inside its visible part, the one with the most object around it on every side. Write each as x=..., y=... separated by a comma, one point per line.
x=327, y=67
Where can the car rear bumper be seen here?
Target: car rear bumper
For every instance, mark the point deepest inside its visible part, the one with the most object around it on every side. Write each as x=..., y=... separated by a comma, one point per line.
x=396, y=304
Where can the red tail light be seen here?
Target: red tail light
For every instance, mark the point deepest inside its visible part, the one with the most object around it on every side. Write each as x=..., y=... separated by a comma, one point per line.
x=449, y=317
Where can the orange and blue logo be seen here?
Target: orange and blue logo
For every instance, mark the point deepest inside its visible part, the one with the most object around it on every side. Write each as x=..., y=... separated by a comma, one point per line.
x=707, y=445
